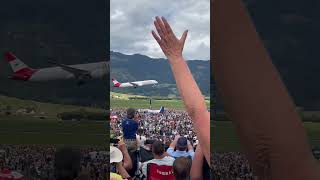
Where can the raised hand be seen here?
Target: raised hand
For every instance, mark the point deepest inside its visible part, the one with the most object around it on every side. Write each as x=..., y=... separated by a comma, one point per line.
x=171, y=46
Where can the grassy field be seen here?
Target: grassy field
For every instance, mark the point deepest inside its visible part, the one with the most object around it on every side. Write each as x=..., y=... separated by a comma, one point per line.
x=30, y=129
x=123, y=101
x=49, y=109
x=226, y=139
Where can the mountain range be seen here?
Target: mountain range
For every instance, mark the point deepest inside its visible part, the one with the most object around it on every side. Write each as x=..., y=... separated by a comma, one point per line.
x=140, y=67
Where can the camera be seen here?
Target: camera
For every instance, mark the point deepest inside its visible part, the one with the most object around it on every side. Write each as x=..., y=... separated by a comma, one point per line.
x=149, y=141
x=114, y=141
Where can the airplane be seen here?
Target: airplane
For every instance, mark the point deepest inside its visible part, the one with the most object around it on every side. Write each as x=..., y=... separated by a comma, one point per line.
x=80, y=72
x=161, y=110
x=134, y=84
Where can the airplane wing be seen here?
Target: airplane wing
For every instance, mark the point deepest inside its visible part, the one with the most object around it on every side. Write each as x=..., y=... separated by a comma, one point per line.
x=77, y=72
x=135, y=84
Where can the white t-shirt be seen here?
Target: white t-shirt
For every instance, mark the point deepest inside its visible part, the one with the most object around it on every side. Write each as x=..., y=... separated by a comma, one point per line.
x=167, y=160
x=141, y=140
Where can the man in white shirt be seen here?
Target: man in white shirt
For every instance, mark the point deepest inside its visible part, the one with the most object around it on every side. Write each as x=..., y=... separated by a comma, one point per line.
x=160, y=157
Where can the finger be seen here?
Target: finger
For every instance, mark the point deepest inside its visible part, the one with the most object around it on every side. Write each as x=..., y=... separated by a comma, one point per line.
x=167, y=26
x=184, y=37
x=163, y=29
x=156, y=37
x=156, y=24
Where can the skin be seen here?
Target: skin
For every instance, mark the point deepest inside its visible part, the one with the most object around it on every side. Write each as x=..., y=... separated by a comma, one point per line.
x=255, y=98
x=127, y=162
x=196, y=168
x=193, y=100
x=174, y=142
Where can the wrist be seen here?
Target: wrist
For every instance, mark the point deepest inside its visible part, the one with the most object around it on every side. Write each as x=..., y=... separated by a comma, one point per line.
x=176, y=60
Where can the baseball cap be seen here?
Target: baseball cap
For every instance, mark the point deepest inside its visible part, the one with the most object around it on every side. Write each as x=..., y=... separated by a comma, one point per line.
x=115, y=155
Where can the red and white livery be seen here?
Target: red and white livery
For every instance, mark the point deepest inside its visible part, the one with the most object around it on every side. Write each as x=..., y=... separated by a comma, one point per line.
x=80, y=72
x=134, y=84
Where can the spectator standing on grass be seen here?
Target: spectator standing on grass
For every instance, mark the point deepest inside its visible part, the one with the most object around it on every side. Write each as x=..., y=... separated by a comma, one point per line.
x=129, y=128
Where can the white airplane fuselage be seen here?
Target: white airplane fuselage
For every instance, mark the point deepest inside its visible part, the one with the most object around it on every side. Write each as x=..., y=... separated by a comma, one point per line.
x=97, y=70
x=138, y=83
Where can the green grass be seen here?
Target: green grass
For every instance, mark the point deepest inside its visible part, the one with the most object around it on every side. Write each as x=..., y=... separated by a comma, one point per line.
x=226, y=140
x=50, y=109
x=29, y=129
x=123, y=101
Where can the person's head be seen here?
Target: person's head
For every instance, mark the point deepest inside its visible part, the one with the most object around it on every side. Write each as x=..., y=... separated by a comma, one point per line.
x=140, y=131
x=181, y=168
x=157, y=148
x=182, y=144
x=67, y=164
x=131, y=112
x=116, y=156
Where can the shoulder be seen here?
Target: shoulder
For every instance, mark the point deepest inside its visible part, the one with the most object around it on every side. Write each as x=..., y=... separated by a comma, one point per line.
x=169, y=158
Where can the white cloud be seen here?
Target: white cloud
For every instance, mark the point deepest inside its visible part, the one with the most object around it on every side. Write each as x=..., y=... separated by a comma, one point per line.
x=132, y=22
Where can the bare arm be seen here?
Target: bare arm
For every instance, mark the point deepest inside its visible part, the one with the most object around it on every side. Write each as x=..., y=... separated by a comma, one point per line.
x=127, y=162
x=190, y=148
x=122, y=171
x=197, y=163
x=256, y=99
x=174, y=142
x=189, y=91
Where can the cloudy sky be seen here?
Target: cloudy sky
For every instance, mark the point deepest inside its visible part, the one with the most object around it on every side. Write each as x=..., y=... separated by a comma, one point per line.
x=132, y=22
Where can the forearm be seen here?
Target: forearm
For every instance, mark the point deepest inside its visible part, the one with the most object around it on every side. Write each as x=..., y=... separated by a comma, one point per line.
x=190, y=148
x=127, y=162
x=197, y=163
x=173, y=144
x=122, y=171
x=188, y=89
x=194, y=103
x=253, y=93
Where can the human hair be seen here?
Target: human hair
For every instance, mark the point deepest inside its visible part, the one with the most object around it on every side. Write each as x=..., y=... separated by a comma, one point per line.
x=67, y=164
x=181, y=168
x=158, y=148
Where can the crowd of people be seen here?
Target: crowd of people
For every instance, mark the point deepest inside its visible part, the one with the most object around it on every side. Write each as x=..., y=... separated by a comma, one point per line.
x=39, y=161
x=145, y=138
x=159, y=126
x=231, y=165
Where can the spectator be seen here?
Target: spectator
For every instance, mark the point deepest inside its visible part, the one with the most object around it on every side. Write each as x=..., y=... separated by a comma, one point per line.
x=116, y=165
x=67, y=164
x=181, y=168
x=183, y=148
x=129, y=128
x=160, y=157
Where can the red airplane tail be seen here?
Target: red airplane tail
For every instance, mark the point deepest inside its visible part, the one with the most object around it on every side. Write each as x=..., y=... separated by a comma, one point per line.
x=116, y=83
x=21, y=70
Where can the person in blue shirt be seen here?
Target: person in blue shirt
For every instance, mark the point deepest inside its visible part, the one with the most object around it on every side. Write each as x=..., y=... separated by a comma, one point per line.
x=129, y=128
x=183, y=148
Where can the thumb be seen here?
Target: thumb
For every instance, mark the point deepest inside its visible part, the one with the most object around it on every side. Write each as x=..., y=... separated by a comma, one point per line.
x=184, y=37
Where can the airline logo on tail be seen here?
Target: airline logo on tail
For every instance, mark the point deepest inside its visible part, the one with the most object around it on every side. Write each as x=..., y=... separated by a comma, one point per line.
x=21, y=71
x=116, y=83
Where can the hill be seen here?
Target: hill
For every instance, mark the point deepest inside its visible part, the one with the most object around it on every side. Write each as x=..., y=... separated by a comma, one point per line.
x=139, y=67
